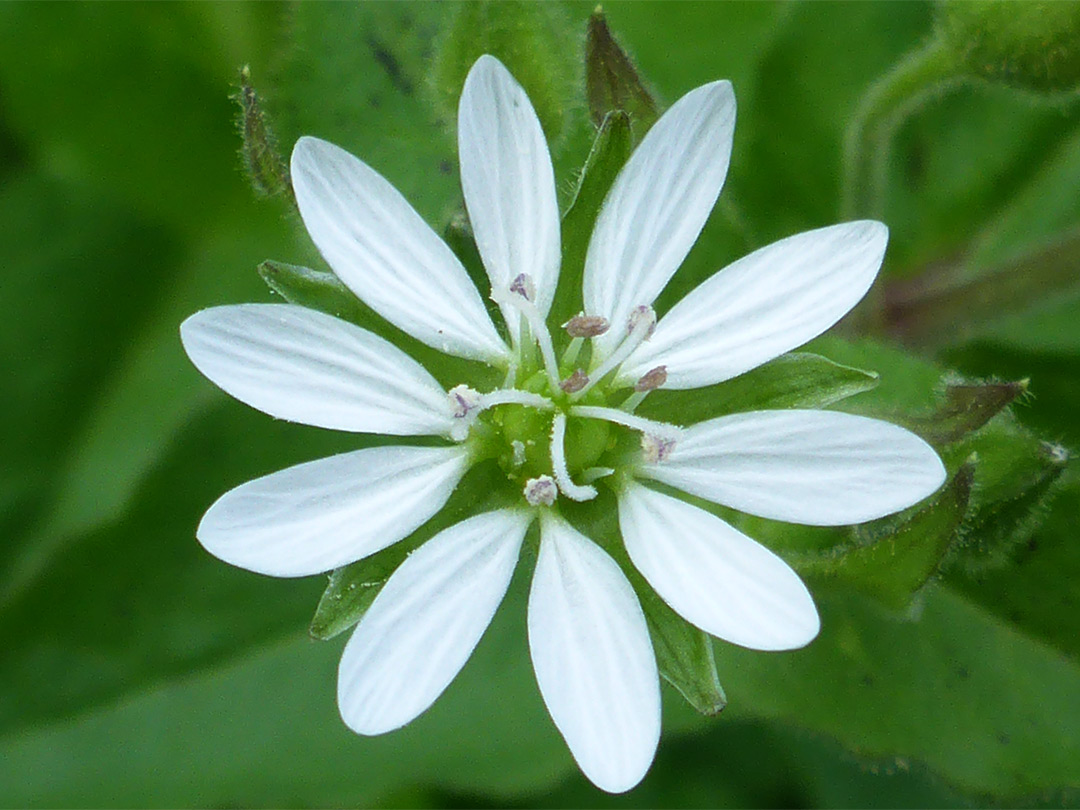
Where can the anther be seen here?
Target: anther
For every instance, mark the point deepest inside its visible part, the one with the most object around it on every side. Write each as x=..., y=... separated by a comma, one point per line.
x=463, y=400
x=652, y=379
x=466, y=404
x=655, y=449
x=523, y=286
x=541, y=491
x=586, y=326
x=575, y=382
x=640, y=326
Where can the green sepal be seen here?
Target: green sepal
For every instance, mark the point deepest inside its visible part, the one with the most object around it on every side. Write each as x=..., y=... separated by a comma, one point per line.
x=893, y=558
x=684, y=654
x=965, y=408
x=263, y=163
x=315, y=289
x=352, y=588
x=459, y=238
x=794, y=380
x=612, y=82
x=324, y=291
x=610, y=150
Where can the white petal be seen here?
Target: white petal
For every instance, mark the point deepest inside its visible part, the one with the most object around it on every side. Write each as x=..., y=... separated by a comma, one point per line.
x=658, y=206
x=427, y=620
x=386, y=254
x=508, y=182
x=820, y=468
x=763, y=305
x=304, y=366
x=714, y=576
x=593, y=658
x=317, y=516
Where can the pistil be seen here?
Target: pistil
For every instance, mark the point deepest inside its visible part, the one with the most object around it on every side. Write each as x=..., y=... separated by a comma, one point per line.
x=574, y=492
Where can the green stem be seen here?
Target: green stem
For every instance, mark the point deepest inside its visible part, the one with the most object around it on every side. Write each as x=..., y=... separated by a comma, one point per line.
x=891, y=99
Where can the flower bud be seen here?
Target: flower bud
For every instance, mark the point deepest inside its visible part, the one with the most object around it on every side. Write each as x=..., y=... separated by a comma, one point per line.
x=1029, y=45
x=263, y=163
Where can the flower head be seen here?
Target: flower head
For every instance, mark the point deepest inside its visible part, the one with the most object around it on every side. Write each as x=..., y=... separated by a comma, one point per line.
x=562, y=424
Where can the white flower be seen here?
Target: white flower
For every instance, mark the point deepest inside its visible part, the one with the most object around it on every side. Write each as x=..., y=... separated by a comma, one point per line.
x=588, y=638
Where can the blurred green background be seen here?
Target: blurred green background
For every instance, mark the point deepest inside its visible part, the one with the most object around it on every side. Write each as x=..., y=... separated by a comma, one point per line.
x=135, y=670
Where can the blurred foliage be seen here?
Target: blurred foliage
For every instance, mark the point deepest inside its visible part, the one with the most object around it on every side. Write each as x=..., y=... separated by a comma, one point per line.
x=137, y=671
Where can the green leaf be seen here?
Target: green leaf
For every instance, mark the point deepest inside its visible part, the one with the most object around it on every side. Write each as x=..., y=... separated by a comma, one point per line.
x=1017, y=477
x=136, y=116
x=609, y=152
x=989, y=710
x=354, y=587
x=264, y=724
x=531, y=39
x=69, y=634
x=612, y=82
x=354, y=74
x=892, y=559
x=1036, y=590
x=794, y=380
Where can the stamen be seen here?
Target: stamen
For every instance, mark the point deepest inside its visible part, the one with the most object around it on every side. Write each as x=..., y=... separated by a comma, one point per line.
x=518, y=457
x=467, y=404
x=649, y=381
x=520, y=295
x=466, y=407
x=586, y=326
x=570, y=356
x=641, y=324
x=655, y=449
x=558, y=463
x=575, y=382
x=652, y=379
x=661, y=430
x=463, y=400
x=637, y=315
x=541, y=491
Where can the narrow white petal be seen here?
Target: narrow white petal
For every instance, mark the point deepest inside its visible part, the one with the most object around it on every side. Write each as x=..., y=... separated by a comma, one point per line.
x=317, y=516
x=508, y=182
x=304, y=366
x=658, y=206
x=386, y=254
x=593, y=658
x=763, y=305
x=820, y=468
x=714, y=576
x=427, y=620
